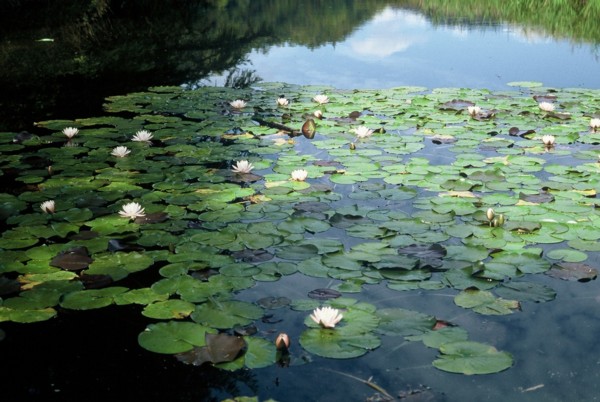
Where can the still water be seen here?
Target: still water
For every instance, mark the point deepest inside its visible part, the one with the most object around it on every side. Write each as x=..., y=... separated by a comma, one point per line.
x=403, y=48
x=555, y=344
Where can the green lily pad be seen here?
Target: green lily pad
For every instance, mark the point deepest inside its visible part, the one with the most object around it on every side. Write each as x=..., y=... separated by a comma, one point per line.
x=259, y=353
x=484, y=302
x=338, y=343
x=471, y=358
x=402, y=322
x=526, y=291
x=169, y=309
x=173, y=337
x=226, y=314
x=92, y=298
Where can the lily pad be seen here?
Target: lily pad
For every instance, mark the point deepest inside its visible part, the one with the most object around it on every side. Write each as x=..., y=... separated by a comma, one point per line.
x=218, y=348
x=470, y=358
x=573, y=272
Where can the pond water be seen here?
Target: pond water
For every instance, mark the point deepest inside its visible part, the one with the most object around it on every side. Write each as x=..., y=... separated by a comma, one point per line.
x=399, y=47
x=95, y=354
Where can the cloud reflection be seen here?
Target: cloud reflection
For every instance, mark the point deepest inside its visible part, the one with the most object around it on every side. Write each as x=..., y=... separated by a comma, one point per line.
x=389, y=32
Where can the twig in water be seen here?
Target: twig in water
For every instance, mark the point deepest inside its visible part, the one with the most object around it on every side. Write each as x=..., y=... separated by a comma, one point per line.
x=367, y=382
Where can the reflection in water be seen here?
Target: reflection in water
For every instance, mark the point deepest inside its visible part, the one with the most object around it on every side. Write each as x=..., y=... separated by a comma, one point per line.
x=61, y=59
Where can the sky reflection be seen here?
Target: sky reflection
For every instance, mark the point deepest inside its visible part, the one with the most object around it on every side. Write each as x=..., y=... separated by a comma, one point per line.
x=402, y=48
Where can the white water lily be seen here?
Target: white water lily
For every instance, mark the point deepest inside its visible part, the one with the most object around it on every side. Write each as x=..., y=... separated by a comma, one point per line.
x=142, y=136
x=132, y=210
x=48, y=206
x=548, y=140
x=321, y=99
x=546, y=106
x=70, y=132
x=243, y=167
x=474, y=110
x=238, y=104
x=120, y=151
x=363, y=132
x=299, y=175
x=595, y=124
x=281, y=101
x=326, y=316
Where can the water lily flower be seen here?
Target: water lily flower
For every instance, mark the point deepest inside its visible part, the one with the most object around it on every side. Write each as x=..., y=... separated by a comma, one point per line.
x=282, y=101
x=238, y=104
x=363, y=132
x=282, y=342
x=490, y=214
x=595, y=124
x=132, y=210
x=120, y=151
x=318, y=114
x=321, y=99
x=474, y=110
x=299, y=175
x=546, y=106
x=70, y=132
x=48, y=206
x=243, y=167
x=326, y=316
x=142, y=136
x=548, y=140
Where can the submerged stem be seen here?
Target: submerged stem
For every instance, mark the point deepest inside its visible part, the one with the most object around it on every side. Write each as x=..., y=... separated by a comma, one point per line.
x=367, y=382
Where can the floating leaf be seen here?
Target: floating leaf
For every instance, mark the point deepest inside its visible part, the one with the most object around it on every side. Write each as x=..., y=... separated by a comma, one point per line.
x=401, y=322
x=73, y=259
x=470, y=358
x=484, y=302
x=218, y=348
x=324, y=294
x=526, y=291
x=173, y=337
x=271, y=302
x=226, y=314
x=338, y=343
x=573, y=272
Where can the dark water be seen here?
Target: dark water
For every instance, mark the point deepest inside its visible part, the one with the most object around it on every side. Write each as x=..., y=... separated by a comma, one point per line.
x=128, y=46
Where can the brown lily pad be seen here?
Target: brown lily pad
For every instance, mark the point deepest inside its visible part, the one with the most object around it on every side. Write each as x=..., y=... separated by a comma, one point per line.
x=572, y=271
x=541, y=197
x=456, y=104
x=73, y=259
x=247, y=255
x=324, y=294
x=155, y=217
x=219, y=348
x=272, y=303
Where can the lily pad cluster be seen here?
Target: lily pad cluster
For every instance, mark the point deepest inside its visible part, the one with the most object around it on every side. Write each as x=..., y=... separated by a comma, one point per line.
x=397, y=188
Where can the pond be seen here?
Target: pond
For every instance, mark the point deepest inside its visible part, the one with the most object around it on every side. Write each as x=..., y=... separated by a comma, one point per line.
x=430, y=171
